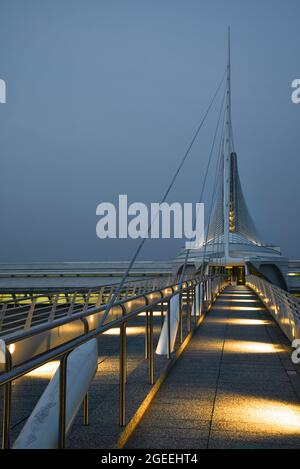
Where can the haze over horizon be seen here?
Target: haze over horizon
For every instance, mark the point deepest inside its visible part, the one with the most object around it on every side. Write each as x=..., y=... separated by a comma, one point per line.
x=103, y=98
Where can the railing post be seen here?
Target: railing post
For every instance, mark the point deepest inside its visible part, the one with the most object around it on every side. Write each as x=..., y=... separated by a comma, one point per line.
x=199, y=299
x=162, y=313
x=71, y=307
x=62, y=402
x=169, y=329
x=122, y=378
x=30, y=314
x=86, y=397
x=53, y=308
x=150, y=349
x=195, y=306
x=188, y=311
x=87, y=301
x=6, y=406
x=203, y=295
x=86, y=410
x=207, y=294
x=147, y=335
x=6, y=416
x=180, y=319
x=2, y=314
x=100, y=297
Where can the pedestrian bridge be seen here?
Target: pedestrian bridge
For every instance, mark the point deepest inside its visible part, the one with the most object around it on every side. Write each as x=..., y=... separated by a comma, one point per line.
x=201, y=359
x=234, y=387
x=226, y=380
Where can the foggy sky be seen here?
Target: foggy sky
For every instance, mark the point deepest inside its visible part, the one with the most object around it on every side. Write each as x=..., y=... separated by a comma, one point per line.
x=103, y=98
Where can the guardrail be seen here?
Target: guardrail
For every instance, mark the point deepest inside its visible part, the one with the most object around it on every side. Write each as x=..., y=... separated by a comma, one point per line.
x=283, y=306
x=26, y=312
x=120, y=314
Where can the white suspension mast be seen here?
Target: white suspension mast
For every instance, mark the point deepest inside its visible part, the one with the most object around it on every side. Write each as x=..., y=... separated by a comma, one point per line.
x=227, y=149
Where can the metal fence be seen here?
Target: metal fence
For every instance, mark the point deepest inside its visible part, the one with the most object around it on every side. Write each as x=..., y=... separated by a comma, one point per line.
x=283, y=306
x=27, y=311
x=121, y=314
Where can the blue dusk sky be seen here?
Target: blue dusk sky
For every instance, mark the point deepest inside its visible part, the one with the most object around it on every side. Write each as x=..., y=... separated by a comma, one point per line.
x=103, y=98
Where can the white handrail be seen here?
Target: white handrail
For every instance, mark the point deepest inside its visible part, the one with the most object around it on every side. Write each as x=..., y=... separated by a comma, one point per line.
x=283, y=306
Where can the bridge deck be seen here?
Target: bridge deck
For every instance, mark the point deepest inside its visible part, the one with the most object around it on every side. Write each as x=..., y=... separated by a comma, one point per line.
x=234, y=387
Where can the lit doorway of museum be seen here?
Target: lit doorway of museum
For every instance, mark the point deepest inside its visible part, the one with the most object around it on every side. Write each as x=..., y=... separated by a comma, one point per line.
x=236, y=275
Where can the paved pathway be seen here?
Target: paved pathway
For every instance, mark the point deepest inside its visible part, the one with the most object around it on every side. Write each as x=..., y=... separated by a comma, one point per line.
x=234, y=387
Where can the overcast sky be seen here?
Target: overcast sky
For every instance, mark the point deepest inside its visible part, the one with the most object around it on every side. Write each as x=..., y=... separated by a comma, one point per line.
x=103, y=98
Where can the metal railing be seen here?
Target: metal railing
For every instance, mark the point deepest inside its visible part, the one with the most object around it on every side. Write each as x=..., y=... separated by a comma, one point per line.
x=283, y=306
x=28, y=311
x=122, y=312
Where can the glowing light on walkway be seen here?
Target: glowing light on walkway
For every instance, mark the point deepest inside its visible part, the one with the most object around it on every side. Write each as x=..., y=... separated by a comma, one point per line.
x=239, y=295
x=240, y=308
x=264, y=416
x=241, y=346
x=234, y=300
x=241, y=321
x=45, y=371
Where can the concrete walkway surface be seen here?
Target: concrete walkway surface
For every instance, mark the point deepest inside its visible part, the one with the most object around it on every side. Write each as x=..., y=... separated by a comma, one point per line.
x=234, y=386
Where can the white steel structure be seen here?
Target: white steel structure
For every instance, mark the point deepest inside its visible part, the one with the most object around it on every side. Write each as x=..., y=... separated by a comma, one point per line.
x=232, y=238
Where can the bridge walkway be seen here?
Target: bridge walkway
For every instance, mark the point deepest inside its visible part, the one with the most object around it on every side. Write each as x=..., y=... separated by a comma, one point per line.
x=235, y=386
